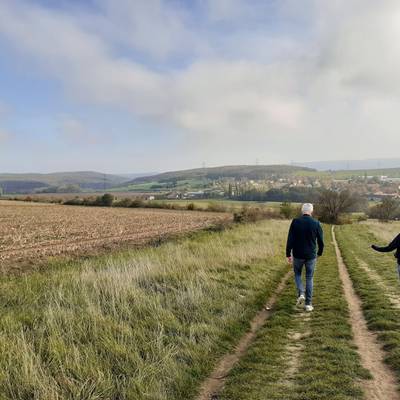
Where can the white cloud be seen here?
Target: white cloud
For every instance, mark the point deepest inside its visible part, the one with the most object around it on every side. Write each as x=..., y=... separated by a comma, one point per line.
x=238, y=98
x=258, y=89
x=151, y=27
x=82, y=61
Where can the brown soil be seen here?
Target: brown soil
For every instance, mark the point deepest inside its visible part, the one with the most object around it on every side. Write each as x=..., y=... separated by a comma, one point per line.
x=32, y=233
x=213, y=385
x=383, y=384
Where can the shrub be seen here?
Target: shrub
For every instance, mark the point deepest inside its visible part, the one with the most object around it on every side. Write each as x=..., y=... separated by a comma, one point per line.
x=288, y=211
x=361, y=217
x=253, y=214
x=136, y=203
x=386, y=210
x=74, y=202
x=191, y=207
x=158, y=204
x=106, y=200
x=216, y=207
x=91, y=201
x=126, y=202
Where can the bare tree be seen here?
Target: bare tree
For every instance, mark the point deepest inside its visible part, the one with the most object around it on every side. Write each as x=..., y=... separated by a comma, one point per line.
x=332, y=204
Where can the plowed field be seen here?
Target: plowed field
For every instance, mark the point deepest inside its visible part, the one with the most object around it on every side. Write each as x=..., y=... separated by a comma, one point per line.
x=30, y=231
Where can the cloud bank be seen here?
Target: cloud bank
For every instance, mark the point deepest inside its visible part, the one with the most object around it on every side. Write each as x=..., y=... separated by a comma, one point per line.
x=237, y=79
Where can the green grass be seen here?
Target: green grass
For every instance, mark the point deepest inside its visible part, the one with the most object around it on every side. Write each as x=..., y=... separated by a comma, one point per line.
x=327, y=366
x=146, y=186
x=380, y=313
x=382, y=264
x=145, y=324
x=186, y=184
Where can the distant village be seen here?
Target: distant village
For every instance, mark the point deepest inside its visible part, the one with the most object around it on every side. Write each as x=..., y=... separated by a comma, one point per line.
x=272, y=187
x=371, y=187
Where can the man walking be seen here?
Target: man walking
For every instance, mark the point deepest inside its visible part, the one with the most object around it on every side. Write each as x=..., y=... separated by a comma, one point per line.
x=301, y=250
x=393, y=245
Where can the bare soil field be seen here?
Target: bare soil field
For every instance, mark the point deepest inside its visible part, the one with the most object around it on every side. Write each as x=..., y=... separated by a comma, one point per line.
x=31, y=231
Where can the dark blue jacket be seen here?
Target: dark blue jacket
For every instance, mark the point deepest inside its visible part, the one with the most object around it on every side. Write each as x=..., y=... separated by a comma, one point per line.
x=304, y=234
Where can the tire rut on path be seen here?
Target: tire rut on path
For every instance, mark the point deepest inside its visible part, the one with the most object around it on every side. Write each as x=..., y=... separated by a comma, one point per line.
x=383, y=385
x=213, y=385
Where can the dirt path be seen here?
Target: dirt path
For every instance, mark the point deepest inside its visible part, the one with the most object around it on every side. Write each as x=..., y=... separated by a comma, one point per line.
x=383, y=386
x=213, y=385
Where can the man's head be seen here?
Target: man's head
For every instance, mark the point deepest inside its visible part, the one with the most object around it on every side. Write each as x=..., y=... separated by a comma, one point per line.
x=307, y=209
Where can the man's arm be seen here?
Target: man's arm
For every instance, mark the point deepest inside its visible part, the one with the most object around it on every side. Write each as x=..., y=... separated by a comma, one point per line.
x=320, y=240
x=390, y=247
x=290, y=239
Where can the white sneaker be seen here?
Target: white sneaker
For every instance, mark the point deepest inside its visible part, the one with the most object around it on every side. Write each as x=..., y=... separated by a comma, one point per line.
x=300, y=300
x=308, y=308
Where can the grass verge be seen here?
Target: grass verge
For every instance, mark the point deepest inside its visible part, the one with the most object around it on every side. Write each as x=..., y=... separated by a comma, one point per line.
x=361, y=237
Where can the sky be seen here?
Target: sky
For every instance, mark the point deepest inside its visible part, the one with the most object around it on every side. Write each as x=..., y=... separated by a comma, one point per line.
x=129, y=86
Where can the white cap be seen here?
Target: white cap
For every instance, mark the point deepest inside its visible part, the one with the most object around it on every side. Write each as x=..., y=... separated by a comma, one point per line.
x=307, y=208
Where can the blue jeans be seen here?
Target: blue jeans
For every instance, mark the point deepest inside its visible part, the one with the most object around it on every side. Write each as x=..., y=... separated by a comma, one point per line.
x=298, y=265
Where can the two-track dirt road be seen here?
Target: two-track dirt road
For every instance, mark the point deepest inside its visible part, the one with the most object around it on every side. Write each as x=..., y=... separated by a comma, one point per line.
x=382, y=386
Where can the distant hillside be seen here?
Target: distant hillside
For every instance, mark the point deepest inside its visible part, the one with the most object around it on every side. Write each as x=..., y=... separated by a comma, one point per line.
x=21, y=186
x=344, y=174
x=236, y=171
x=138, y=175
x=341, y=165
x=30, y=182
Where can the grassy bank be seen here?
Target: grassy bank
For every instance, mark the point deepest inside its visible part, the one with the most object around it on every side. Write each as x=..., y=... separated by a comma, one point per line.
x=375, y=289
x=148, y=324
x=303, y=356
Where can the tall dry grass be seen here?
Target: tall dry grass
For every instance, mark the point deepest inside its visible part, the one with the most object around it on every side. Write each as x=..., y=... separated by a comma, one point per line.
x=386, y=231
x=147, y=324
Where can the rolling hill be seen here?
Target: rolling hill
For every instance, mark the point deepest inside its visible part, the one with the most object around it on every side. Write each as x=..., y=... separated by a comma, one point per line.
x=84, y=180
x=234, y=171
x=191, y=179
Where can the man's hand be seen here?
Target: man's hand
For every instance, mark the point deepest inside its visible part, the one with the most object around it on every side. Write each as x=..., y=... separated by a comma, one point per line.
x=290, y=260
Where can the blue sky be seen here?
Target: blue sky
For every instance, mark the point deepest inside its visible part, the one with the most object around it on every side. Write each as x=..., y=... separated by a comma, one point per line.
x=154, y=85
